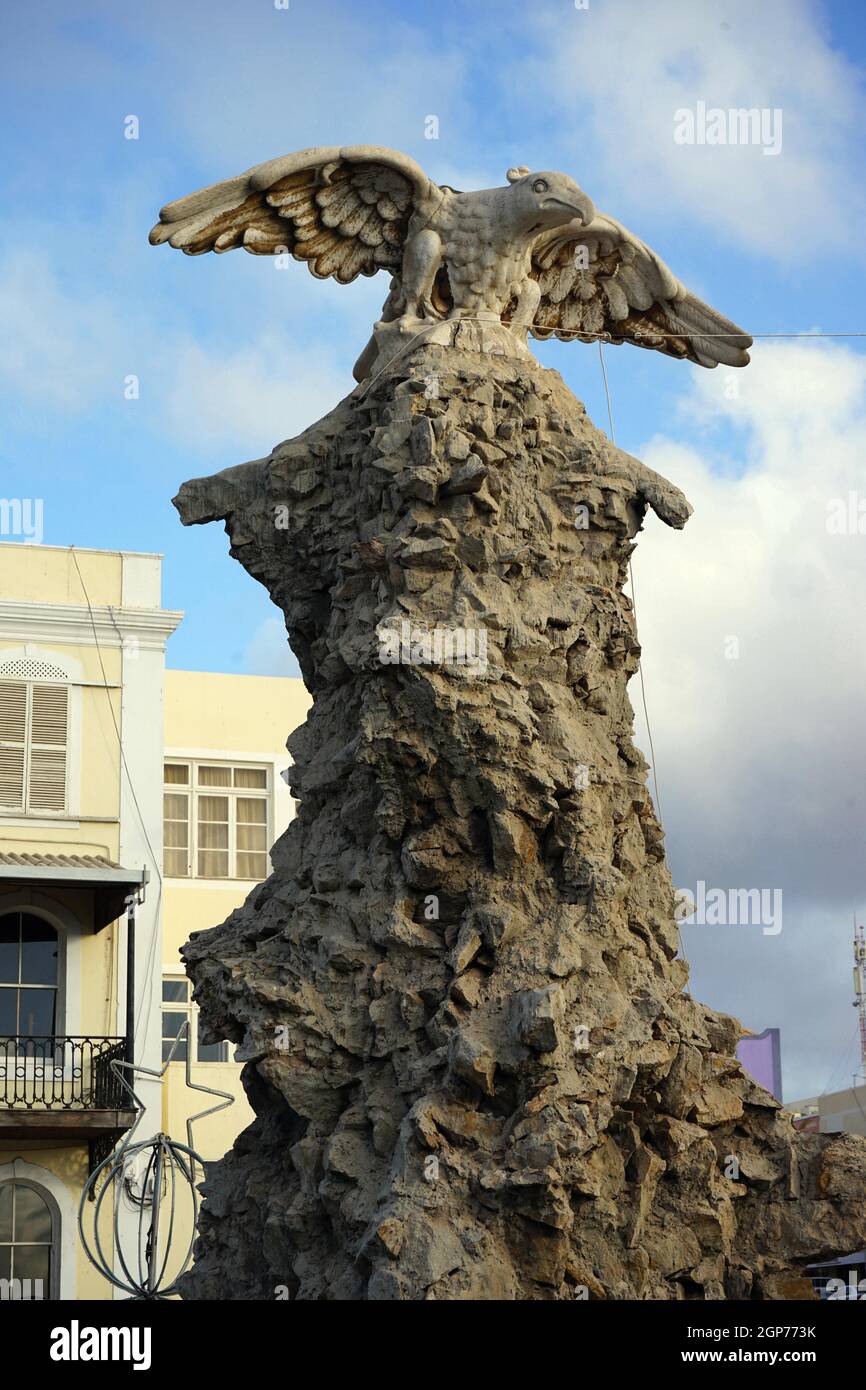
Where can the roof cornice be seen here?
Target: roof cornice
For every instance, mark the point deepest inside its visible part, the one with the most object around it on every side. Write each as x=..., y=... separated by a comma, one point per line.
x=71, y=623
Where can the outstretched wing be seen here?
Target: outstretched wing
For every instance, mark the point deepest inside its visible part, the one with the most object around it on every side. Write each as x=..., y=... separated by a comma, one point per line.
x=598, y=280
x=343, y=210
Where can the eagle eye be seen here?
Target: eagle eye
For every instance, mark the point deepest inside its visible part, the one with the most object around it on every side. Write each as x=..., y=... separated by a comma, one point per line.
x=540, y=186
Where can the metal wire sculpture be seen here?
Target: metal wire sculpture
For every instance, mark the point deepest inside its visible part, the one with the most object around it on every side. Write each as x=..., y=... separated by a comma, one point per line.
x=167, y=1169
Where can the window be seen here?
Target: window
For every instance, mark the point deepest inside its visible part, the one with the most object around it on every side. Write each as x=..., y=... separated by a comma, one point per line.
x=28, y=976
x=178, y=1009
x=29, y=1229
x=215, y=821
x=34, y=722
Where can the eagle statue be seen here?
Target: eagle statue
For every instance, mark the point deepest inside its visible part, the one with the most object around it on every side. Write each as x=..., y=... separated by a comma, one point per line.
x=533, y=257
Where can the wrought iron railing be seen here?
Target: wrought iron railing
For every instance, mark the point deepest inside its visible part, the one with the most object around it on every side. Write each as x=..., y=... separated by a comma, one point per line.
x=53, y=1073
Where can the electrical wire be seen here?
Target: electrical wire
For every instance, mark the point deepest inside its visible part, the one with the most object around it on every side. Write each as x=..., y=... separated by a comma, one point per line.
x=156, y=863
x=364, y=386
x=560, y=333
x=633, y=600
x=605, y=336
x=640, y=660
x=842, y=1061
x=148, y=993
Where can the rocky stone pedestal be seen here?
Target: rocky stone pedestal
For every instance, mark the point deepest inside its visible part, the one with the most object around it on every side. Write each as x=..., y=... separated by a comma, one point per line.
x=475, y=1072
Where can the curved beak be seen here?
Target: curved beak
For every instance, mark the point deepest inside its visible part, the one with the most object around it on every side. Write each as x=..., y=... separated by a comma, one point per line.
x=585, y=209
x=581, y=207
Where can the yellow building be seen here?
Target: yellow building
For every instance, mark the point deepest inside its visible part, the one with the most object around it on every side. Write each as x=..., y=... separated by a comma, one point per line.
x=102, y=753
x=225, y=803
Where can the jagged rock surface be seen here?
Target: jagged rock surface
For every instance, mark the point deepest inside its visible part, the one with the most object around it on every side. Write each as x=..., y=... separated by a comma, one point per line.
x=475, y=1072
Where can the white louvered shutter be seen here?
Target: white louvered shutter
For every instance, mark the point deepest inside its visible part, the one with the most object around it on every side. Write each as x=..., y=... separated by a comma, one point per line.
x=13, y=743
x=49, y=717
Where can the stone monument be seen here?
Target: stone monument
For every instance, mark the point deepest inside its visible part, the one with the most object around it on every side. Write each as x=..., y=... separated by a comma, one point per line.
x=475, y=1069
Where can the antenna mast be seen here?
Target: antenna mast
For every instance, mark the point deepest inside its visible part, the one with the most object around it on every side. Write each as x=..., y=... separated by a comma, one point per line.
x=860, y=986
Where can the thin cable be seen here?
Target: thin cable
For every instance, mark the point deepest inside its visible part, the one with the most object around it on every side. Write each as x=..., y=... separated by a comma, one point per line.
x=608, y=335
x=156, y=864
x=152, y=944
x=365, y=387
x=151, y=951
x=542, y=334
x=640, y=661
x=633, y=599
x=538, y=329
x=841, y=1063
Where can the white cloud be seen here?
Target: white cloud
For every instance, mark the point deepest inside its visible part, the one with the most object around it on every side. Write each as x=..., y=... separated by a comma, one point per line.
x=59, y=351
x=303, y=77
x=251, y=398
x=757, y=564
x=71, y=351
x=617, y=73
x=761, y=767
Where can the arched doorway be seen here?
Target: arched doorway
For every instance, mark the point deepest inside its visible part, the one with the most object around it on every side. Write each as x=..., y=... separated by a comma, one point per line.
x=29, y=1241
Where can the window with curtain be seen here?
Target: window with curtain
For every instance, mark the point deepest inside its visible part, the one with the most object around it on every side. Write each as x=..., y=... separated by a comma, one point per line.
x=29, y=978
x=29, y=1235
x=216, y=819
x=178, y=1009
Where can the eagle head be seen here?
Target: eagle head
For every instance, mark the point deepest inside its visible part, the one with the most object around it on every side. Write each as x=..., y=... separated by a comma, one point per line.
x=546, y=199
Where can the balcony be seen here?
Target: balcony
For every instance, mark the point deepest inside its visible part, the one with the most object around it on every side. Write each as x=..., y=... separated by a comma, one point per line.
x=63, y=1089
x=60, y=1089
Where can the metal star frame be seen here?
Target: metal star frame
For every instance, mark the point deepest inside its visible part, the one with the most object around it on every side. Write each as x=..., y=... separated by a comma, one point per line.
x=168, y=1164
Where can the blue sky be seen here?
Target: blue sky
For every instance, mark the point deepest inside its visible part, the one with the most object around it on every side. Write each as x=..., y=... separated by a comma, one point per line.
x=760, y=758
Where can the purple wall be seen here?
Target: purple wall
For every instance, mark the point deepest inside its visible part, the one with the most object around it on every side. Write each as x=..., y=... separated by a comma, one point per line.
x=761, y=1057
